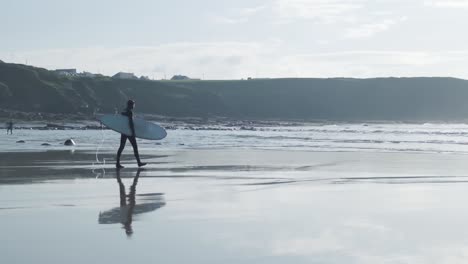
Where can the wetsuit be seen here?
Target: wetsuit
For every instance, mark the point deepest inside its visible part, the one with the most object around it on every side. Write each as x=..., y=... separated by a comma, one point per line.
x=132, y=139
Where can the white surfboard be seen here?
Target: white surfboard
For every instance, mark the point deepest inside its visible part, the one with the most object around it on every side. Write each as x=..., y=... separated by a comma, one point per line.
x=143, y=129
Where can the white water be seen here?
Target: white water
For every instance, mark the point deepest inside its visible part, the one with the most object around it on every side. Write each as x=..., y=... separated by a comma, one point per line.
x=427, y=138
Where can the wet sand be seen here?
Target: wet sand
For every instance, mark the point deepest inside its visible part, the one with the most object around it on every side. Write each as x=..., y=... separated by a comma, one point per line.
x=234, y=206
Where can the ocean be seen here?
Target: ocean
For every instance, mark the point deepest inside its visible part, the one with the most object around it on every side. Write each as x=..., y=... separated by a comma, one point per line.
x=385, y=137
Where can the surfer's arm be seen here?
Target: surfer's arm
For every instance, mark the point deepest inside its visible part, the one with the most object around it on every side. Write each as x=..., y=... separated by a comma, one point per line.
x=132, y=126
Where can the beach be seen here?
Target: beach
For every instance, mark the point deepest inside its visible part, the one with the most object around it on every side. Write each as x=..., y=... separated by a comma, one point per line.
x=256, y=132
x=221, y=204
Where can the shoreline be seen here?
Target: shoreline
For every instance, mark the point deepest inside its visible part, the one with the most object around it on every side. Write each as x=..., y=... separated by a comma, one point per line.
x=255, y=167
x=227, y=125
x=57, y=118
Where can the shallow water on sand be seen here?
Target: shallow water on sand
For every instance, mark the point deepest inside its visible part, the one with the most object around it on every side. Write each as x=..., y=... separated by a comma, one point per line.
x=229, y=205
x=202, y=222
x=234, y=206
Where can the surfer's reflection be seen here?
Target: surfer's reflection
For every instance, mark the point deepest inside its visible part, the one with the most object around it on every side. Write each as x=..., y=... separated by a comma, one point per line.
x=127, y=210
x=129, y=207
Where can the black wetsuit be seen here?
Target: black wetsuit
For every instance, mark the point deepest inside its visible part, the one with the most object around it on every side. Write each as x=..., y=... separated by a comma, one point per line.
x=132, y=139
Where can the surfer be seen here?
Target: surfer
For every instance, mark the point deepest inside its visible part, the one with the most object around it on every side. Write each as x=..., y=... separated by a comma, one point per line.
x=123, y=138
x=10, y=127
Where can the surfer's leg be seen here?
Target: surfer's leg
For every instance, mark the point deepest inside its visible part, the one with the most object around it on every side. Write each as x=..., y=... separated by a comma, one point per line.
x=135, y=151
x=123, y=140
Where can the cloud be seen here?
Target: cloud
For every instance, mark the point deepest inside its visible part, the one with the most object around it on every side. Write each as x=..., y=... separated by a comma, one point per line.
x=249, y=11
x=364, y=64
x=370, y=29
x=235, y=60
x=212, y=59
x=238, y=16
x=229, y=20
x=447, y=3
x=323, y=11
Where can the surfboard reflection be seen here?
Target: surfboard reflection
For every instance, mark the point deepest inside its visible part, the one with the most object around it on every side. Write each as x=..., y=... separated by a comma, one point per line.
x=128, y=205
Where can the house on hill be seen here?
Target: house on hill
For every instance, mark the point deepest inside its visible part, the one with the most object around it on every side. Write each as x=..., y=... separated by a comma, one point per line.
x=179, y=78
x=87, y=74
x=66, y=72
x=124, y=75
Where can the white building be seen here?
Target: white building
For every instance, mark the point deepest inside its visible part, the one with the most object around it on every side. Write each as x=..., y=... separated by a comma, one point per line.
x=66, y=72
x=87, y=74
x=124, y=75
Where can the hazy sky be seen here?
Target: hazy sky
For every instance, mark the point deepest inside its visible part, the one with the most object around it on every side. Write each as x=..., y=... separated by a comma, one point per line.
x=216, y=39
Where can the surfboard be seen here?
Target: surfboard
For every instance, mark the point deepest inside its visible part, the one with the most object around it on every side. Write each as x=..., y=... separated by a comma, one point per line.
x=143, y=129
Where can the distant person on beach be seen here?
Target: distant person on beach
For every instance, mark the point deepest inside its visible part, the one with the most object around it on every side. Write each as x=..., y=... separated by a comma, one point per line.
x=10, y=127
x=123, y=138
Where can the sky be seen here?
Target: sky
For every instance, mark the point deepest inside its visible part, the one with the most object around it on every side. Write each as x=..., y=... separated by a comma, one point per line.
x=217, y=39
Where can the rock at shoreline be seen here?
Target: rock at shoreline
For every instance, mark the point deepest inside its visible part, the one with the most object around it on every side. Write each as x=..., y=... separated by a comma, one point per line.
x=45, y=144
x=20, y=141
x=69, y=142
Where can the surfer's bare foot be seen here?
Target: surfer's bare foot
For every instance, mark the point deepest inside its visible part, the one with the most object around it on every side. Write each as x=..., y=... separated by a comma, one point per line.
x=141, y=164
x=118, y=166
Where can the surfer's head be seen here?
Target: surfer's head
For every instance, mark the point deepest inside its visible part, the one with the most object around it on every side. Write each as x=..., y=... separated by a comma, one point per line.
x=130, y=104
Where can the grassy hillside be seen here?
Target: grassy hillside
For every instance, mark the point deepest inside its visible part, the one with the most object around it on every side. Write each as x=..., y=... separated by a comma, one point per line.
x=344, y=98
x=31, y=89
